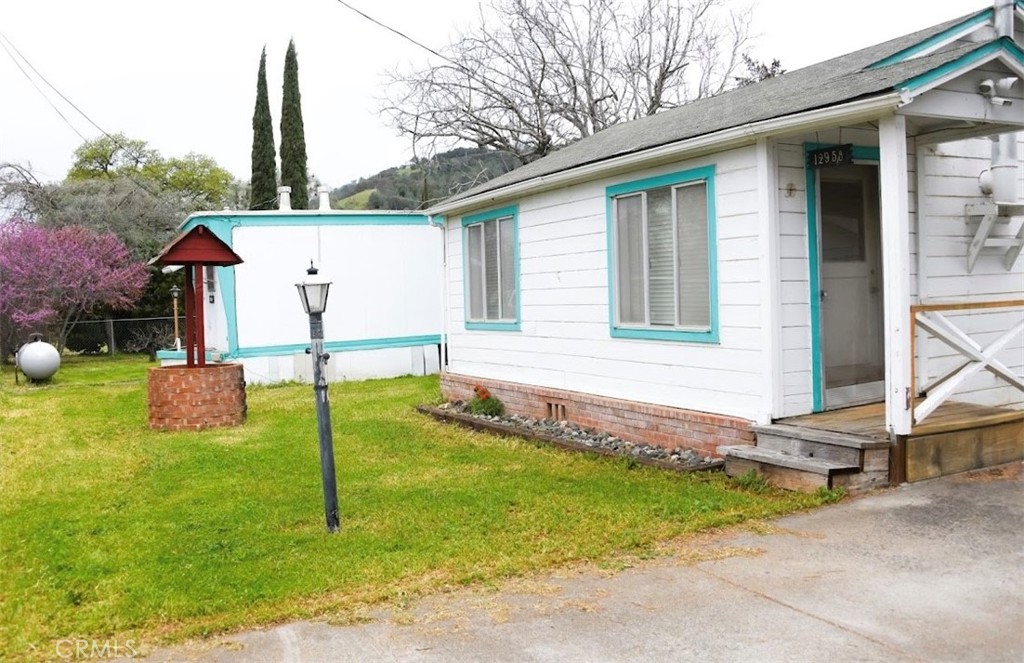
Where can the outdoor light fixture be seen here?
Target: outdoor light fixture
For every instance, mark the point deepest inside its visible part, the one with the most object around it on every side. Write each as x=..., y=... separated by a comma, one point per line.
x=313, y=293
x=175, y=293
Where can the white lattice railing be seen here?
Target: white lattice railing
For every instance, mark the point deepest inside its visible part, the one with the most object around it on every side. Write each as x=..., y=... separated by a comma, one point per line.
x=930, y=318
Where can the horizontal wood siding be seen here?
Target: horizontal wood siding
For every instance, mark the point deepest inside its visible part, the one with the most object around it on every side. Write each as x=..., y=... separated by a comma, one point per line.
x=565, y=342
x=794, y=270
x=952, y=182
x=794, y=263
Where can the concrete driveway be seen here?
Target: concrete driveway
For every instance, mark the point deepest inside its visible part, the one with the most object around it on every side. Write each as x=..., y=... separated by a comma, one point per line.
x=928, y=572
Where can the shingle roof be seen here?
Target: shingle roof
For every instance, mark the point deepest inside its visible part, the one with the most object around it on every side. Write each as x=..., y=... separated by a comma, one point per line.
x=842, y=79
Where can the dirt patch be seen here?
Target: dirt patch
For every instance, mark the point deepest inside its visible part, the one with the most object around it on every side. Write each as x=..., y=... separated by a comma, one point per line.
x=1001, y=473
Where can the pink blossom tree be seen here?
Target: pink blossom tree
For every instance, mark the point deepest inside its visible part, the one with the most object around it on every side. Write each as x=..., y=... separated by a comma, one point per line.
x=51, y=277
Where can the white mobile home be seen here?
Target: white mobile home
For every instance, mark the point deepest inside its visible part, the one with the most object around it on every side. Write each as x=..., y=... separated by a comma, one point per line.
x=383, y=317
x=751, y=266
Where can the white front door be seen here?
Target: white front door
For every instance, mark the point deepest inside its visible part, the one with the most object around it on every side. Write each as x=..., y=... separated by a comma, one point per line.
x=851, y=286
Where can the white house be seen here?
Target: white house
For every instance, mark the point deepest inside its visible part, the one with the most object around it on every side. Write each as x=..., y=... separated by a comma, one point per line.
x=816, y=241
x=384, y=313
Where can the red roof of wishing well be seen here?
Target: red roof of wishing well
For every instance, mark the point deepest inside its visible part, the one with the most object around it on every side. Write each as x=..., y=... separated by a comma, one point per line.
x=198, y=246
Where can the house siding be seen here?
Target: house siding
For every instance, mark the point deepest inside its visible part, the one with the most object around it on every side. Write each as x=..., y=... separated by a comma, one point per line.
x=794, y=260
x=952, y=182
x=564, y=342
x=384, y=315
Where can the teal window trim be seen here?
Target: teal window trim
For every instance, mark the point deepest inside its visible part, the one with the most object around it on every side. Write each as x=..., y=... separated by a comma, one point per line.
x=1003, y=46
x=514, y=324
x=860, y=153
x=330, y=346
x=711, y=335
x=263, y=219
x=339, y=346
x=935, y=41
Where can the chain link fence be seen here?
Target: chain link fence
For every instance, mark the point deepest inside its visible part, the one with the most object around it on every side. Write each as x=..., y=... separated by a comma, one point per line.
x=128, y=335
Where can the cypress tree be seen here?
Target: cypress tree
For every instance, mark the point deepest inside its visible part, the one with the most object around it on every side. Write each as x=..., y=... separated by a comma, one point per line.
x=293, y=136
x=263, y=185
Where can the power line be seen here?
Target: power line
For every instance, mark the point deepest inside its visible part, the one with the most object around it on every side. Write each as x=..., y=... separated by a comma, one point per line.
x=38, y=89
x=61, y=95
x=469, y=72
x=113, y=139
x=399, y=33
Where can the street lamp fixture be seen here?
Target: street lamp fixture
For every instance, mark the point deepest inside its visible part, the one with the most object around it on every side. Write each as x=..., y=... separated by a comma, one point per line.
x=313, y=294
x=175, y=294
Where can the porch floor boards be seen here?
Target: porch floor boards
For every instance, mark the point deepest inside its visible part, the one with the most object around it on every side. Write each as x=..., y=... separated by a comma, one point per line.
x=869, y=420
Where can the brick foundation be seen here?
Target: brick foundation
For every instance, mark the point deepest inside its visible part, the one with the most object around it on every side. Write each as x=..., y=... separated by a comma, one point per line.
x=658, y=425
x=182, y=398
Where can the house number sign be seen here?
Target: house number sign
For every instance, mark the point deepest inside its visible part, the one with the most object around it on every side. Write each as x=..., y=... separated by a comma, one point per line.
x=829, y=157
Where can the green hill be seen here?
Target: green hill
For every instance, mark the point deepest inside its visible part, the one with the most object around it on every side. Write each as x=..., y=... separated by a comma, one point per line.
x=422, y=182
x=358, y=200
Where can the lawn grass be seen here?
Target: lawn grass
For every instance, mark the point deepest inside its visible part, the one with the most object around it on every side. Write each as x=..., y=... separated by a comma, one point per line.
x=108, y=529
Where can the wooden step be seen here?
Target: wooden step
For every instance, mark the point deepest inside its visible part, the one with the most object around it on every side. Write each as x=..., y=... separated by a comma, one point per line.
x=785, y=470
x=823, y=444
x=834, y=438
x=793, y=462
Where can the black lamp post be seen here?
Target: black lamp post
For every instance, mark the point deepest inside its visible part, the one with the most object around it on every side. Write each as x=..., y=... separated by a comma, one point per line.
x=175, y=293
x=313, y=293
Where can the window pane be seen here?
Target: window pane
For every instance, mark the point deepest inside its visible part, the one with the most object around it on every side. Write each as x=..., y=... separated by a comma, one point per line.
x=508, y=280
x=630, y=257
x=491, y=290
x=211, y=283
x=476, y=271
x=694, y=286
x=661, y=262
x=842, y=221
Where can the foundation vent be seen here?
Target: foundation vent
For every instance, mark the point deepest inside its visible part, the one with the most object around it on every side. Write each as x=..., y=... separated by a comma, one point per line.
x=556, y=411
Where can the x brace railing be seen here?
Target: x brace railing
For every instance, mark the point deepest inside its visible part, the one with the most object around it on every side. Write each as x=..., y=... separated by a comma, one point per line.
x=977, y=358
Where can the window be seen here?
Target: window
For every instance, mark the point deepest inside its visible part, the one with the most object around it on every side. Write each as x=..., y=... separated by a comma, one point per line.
x=492, y=270
x=662, y=263
x=211, y=282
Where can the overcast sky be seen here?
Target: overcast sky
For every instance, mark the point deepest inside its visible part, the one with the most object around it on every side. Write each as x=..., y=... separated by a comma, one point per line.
x=181, y=75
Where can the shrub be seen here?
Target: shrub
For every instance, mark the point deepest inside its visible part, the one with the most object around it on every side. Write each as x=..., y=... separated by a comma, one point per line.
x=483, y=403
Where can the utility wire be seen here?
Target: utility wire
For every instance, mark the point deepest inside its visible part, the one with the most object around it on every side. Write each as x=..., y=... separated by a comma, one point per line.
x=38, y=89
x=137, y=157
x=113, y=138
x=469, y=72
x=399, y=33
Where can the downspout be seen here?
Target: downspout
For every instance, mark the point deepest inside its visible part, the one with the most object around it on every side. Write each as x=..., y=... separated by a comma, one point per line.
x=443, y=225
x=1003, y=171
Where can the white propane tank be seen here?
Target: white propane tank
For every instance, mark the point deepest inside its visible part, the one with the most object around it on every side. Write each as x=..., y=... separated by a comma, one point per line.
x=38, y=360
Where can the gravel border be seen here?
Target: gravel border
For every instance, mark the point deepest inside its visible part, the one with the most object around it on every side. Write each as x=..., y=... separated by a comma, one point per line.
x=571, y=437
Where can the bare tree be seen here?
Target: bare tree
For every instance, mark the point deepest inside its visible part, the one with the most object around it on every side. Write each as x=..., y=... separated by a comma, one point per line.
x=538, y=74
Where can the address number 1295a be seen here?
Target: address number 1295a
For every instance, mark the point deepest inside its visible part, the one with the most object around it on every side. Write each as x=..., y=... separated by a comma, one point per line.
x=827, y=157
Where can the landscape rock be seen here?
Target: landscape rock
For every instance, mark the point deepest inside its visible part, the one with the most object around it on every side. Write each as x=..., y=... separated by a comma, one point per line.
x=595, y=439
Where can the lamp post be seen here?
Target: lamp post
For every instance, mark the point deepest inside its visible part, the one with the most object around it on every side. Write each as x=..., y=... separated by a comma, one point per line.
x=313, y=293
x=175, y=293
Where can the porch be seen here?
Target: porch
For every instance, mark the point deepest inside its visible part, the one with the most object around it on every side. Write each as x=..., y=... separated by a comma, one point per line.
x=956, y=437
x=851, y=447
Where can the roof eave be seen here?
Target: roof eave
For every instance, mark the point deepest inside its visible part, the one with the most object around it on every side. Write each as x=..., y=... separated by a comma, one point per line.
x=852, y=111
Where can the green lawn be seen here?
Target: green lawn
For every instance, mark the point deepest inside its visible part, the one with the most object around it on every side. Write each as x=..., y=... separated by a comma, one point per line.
x=108, y=529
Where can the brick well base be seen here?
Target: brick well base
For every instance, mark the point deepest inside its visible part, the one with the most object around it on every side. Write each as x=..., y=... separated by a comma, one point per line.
x=657, y=425
x=182, y=398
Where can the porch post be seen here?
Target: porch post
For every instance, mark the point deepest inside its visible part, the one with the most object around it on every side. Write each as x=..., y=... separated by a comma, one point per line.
x=892, y=140
x=768, y=271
